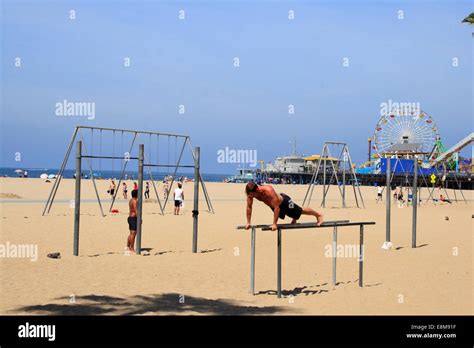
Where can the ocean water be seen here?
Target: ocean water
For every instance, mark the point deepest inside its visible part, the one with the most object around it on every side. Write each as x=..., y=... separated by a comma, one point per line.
x=108, y=174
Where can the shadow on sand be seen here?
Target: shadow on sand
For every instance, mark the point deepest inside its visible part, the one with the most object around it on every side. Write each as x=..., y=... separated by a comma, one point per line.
x=146, y=304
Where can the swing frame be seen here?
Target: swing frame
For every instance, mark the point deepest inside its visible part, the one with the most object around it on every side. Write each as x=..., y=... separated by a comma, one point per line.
x=136, y=133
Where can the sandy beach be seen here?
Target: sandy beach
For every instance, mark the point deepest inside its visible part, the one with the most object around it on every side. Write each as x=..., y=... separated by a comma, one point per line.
x=435, y=278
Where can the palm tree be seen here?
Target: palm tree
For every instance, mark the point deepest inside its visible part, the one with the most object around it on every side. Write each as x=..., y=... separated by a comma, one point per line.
x=469, y=19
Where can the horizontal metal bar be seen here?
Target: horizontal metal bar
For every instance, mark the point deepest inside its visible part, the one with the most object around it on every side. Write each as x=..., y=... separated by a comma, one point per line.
x=338, y=224
x=167, y=166
x=303, y=225
x=112, y=157
x=133, y=131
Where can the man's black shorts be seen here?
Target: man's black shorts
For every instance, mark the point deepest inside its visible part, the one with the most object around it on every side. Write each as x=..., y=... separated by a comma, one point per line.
x=289, y=208
x=132, y=223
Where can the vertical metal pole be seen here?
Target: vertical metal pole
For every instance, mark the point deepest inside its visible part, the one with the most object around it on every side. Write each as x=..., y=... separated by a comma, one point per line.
x=388, y=201
x=344, y=158
x=279, y=264
x=141, y=152
x=414, y=203
x=77, y=198
x=324, y=180
x=252, y=262
x=197, y=155
x=334, y=255
x=361, y=256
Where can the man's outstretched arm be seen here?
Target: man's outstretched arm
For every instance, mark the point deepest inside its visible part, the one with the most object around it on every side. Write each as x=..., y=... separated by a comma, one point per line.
x=249, y=211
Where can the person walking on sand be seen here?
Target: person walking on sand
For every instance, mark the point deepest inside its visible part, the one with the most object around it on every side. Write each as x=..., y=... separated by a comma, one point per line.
x=379, y=193
x=125, y=190
x=135, y=186
x=132, y=221
x=165, y=189
x=147, y=190
x=112, y=189
x=281, y=204
x=178, y=198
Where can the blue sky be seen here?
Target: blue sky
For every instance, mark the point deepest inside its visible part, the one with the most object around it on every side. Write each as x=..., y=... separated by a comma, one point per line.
x=190, y=62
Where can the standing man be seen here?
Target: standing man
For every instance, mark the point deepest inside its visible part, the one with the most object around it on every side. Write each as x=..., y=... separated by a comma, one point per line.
x=281, y=204
x=178, y=198
x=132, y=221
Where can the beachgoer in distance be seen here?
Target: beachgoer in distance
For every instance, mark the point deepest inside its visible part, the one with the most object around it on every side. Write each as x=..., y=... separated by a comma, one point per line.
x=178, y=198
x=125, y=190
x=147, y=190
x=281, y=204
x=112, y=188
x=379, y=193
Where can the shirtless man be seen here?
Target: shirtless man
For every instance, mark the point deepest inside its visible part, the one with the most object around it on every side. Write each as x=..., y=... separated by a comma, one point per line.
x=132, y=221
x=281, y=205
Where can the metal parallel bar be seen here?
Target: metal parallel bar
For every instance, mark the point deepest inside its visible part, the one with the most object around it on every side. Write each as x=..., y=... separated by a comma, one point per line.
x=361, y=256
x=301, y=225
x=334, y=255
x=134, y=131
x=279, y=264
x=125, y=163
x=59, y=176
x=141, y=150
x=77, y=199
x=252, y=261
x=92, y=177
x=414, y=203
x=294, y=227
x=196, y=198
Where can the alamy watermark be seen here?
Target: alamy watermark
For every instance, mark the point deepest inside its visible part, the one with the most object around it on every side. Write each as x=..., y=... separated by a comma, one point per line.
x=400, y=108
x=68, y=108
x=228, y=155
x=25, y=251
x=344, y=251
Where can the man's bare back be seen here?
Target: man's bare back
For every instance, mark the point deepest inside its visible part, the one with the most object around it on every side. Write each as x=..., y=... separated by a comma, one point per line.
x=281, y=204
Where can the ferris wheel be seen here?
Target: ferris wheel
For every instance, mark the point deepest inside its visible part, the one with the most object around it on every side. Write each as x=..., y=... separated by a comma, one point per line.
x=405, y=126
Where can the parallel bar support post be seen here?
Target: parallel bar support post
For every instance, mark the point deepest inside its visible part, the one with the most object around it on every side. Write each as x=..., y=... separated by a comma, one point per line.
x=252, y=262
x=141, y=155
x=279, y=264
x=77, y=198
x=414, y=202
x=197, y=154
x=387, y=203
x=334, y=255
x=361, y=256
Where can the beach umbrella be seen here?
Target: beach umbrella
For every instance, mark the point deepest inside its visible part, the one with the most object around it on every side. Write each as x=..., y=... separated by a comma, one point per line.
x=51, y=176
x=44, y=176
x=18, y=171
